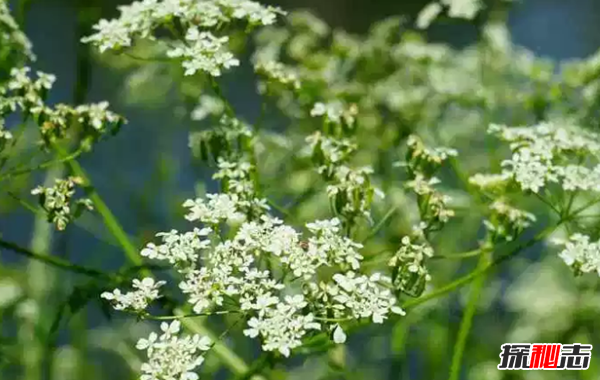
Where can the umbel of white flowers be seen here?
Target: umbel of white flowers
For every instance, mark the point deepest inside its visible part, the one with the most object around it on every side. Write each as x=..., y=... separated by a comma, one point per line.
x=171, y=356
x=229, y=270
x=582, y=255
x=204, y=51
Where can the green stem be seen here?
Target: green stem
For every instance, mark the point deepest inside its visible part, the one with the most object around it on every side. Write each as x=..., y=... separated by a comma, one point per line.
x=111, y=222
x=381, y=224
x=458, y=256
x=54, y=261
x=44, y=165
x=467, y=321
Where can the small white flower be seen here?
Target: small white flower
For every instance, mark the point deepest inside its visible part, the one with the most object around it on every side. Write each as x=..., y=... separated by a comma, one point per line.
x=219, y=208
x=362, y=296
x=336, y=112
x=208, y=106
x=339, y=336
x=178, y=248
x=283, y=326
x=137, y=300
x=57, y=200
x=581, y=254
x=428, y=14
x=205, y=52
x=171, y=356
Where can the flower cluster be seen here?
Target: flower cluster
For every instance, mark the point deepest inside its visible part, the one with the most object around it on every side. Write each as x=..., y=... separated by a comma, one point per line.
x=208, y=106
x=217, y=208
x=423, y=159
x=200, y=50
x=28, y=95
x=336, y=112
x=239, y=273
x=276, y=73
x=580, y=254
x=349, y=189
x=283, y=326
x=56, y=201
x=410, y=273
x=466, y=9
x=550, y=153
x=137, y=300
x=171, y=356
x=226, y=141
x=178, y=249
x=329, y=152
x=362, y=296
x=507, y=222
x=238, y=179
x=422, y=162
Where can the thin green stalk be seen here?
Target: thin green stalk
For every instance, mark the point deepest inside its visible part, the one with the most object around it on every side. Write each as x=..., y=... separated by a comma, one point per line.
x=54, y=261
x=381, y=223
x=111, y=222
x=458, y=256
x=44, y=165
x=467, y=321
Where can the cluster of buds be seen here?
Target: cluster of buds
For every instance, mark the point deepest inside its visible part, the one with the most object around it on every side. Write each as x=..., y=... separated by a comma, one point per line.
x=506, y=222
x=28, y=95
x=422, y=162
x=410, y=274
x=57, y=201
x=225, y=141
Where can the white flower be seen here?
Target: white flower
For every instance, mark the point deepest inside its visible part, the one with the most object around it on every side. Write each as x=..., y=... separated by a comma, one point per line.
x=178, y=248
x=541, y=155
x=283, y=326
x=219, y=208
x=428, y=14
x=419, y=152
x=334, y=150
x=277, y=72
x=336, y=112
x=339, y=336
x=4, y=134
x=466, y=9
x=362, y=296
x=332, y=248
x=413, y=256
x=507, y=221
x=489, y=181
x=422, y=185
x=97, y=115
x=57, y=201
x=171, y=356
x=581, y=254
x=252, y=11
x=137, y=300
x=204, y=52
x=208, y=106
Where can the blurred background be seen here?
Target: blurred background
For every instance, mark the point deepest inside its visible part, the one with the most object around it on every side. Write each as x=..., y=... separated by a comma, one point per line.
x=147, y=170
